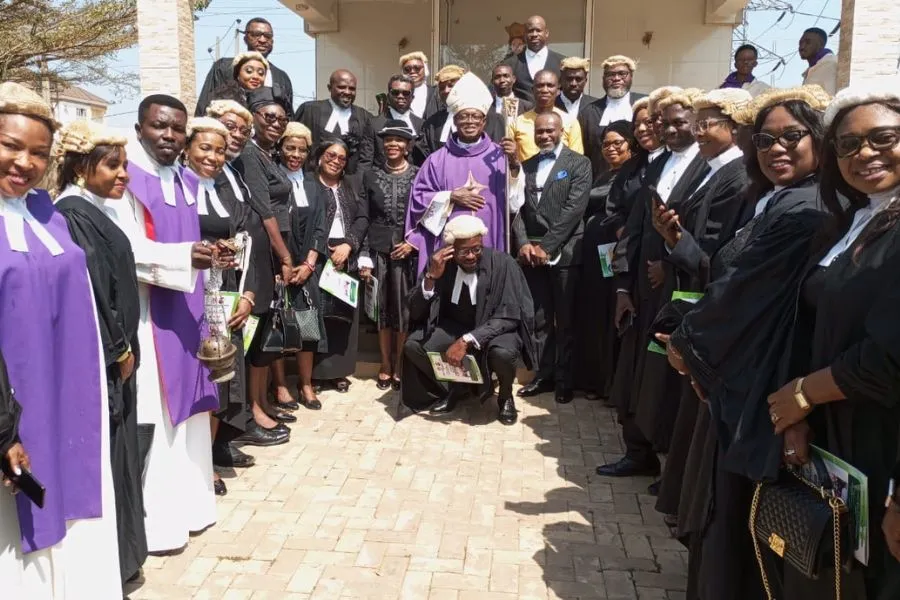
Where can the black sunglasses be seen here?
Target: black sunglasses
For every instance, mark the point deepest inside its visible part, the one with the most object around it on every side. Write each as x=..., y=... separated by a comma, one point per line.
x=788, y=139
x=272, y=119
x=398, y=93
x=878, y=139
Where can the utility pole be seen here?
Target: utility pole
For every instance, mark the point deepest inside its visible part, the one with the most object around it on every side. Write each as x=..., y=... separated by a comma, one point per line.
x=45, y=81
x=218, y=48
x=237, y=37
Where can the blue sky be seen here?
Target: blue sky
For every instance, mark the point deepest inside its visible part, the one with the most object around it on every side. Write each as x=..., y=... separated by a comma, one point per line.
x=295, y=51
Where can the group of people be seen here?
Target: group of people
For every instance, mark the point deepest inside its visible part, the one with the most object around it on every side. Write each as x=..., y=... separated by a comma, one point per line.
x=717, y=265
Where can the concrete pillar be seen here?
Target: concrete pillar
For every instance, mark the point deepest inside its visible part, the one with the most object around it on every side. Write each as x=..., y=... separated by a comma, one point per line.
x=166, y=48
x=870, y=41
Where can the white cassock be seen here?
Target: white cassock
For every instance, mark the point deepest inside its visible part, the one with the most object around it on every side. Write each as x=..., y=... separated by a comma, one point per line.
x=178, y=484
x=85, y=563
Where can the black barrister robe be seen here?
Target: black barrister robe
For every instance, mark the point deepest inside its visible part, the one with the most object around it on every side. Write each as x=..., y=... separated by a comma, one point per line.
x=222, y=72
x=504, y=316
x=430, y=135
x=736, y=340
x=703, y=217
x=315, y=114
x=10, y=412
x=655, y=386
x=589, y=118
x=113, y=276
x=856, y=332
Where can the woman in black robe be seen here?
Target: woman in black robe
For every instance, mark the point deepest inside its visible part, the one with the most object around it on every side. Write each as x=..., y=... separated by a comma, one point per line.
x=596, y=342
x=733, y=343
x=91, y=172
x=852, y=292
x=692, y=234
x=223, y=216
x=386, y=253
x=346, y=223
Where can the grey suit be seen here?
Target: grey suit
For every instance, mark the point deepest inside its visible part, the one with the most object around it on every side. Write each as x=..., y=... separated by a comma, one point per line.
x=556, y=224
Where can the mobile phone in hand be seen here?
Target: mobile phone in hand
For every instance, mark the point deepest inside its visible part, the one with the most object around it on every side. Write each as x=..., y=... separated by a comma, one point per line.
x=26, y=482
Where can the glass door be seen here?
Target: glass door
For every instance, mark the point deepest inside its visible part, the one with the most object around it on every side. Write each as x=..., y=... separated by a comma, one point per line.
x=477, y=34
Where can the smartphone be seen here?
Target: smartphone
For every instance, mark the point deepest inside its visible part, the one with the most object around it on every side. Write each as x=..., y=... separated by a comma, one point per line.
x=655, y=199
x=27, y=484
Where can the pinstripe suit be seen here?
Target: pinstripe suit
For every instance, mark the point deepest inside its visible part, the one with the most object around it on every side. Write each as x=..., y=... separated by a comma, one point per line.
x=555, y=223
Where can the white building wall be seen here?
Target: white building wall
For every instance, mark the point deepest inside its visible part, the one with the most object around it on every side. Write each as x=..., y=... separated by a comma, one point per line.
x=66, y=112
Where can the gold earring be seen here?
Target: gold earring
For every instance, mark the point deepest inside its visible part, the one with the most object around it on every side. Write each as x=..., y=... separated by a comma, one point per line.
x=79, y=181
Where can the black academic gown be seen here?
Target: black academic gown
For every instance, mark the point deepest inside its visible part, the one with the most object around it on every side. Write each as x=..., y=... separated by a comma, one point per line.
x=315, y=114
x=589, y=117
x=504, y=316
x=113, y=276
x=222, y=72
x=10, y=412
x=416, y=156
x=856, y=332
x=308, y=233
x=655, y=388
x=430, y=139
x=703, y=217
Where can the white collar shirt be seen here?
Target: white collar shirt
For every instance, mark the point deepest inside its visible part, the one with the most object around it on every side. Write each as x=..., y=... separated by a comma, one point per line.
x=571, y=107
x=419, y=100
x=471, y=281
x=296, y=178
x=405, y=117
x=716, y=163
x=536, y=60
x=546, y=161
x=617, y=109
x=339, y=117
x=674, y=169
x=16, y=217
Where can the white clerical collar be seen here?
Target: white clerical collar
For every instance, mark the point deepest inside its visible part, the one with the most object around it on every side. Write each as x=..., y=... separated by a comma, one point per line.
x=654, y=154
x=339, y=116
x=570, y=104
x=401, y=116
x=861, y=218
x=232, y=181
x=207, y=196
x=338, y=109
x=724, y=158
x=296, y=178
x=687, y=154
x=74, y=190
x=167, y=174
x=16, y=216
x=470, y=279
x=542, y=54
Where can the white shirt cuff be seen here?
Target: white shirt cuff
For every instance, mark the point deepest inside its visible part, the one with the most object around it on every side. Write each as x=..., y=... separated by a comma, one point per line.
x=427, y=294
x=470, y=339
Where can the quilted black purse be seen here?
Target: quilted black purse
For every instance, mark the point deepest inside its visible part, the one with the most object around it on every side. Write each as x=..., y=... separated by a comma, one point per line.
x=803, y=522
x=306, y=318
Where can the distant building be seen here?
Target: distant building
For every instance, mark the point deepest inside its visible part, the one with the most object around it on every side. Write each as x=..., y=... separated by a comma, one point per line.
x=74, y=103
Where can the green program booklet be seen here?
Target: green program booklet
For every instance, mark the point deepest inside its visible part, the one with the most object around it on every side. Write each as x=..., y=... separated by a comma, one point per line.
x=852, y=486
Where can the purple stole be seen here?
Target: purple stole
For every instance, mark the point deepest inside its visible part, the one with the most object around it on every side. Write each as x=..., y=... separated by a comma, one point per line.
x=49, y=338
x=176, y=316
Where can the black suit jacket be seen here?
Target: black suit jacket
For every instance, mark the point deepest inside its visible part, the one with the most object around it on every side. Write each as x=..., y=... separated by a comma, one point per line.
x=589, y=118
x=415, y=151
x=524, y=82
x=222, y=72
x=586, y=100
x=315, y=114
x=558, y=219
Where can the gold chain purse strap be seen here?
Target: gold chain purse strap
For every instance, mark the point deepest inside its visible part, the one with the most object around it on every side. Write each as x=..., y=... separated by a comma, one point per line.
x=836, y=505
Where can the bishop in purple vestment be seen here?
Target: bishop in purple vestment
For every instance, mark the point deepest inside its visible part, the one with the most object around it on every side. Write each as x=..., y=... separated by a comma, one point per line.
x=466, y=176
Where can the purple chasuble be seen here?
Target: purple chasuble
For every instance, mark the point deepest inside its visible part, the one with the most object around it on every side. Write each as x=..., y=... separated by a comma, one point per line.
x=450, y=168
x=49, y=340
x=177, y=316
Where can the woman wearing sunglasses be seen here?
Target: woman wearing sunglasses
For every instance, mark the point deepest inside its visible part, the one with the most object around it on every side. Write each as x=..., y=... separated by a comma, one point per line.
x=848, y=393
x=735, y=344
x=346, y=223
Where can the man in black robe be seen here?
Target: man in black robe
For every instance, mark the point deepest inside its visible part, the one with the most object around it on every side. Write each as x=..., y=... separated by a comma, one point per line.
x=425, y=101
x=259, y=37
x=673, y=177
x=546, y=236
x=113, y=275
x=338, y=117
x=616, y=105
x=536, y=57
x=502, y=81
x=470, y=300
x=573, y=78
x=400, y=90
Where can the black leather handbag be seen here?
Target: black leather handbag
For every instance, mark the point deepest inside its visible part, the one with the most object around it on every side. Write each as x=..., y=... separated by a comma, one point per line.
x=306, y=318
x=803, y=521
x=283, y=333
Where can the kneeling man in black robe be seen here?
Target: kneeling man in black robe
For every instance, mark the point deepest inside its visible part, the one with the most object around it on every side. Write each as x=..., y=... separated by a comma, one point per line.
x=470, y=300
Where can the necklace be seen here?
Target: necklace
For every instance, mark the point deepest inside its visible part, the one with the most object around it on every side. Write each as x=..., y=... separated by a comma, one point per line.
x=403, y=167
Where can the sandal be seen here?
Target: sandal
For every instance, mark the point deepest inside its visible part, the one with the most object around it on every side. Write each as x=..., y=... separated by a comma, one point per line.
x=384, y=381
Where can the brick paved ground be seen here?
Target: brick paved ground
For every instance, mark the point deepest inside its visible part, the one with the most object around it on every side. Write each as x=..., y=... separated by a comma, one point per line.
x=360, y=505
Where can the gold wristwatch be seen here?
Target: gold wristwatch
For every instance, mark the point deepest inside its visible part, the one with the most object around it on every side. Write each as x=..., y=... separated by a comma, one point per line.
x=799, y=396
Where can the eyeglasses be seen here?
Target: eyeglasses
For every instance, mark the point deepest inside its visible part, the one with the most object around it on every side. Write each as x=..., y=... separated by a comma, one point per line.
x=706, y=124
x=331, y=156
x=413, y=68
x=401, y=93
x=469, y=118
x=788, y=139
x=272, y=119
x=246, y=131
x=616, y=74
x=261, y=34
x=476, y=251
x=878, y=139
x=614, y=144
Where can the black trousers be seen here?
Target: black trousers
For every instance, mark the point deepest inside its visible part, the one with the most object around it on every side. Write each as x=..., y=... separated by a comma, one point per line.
x=420, y=388
x=553, y=291
x=637, y=447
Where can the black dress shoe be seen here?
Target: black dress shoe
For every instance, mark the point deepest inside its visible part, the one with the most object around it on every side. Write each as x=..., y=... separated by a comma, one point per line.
x=564, y=396
x=291, y=406
x=444, y=406
x=508, y=413
x=283, y=416
x=219, y=487
x=628, y=467
x=226, y=455
x=260, y=436
x=538, y=386
x=313, y=404
x=342, y=385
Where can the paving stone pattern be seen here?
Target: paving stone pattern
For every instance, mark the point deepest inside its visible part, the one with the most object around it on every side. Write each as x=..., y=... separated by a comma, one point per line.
x=362, y=505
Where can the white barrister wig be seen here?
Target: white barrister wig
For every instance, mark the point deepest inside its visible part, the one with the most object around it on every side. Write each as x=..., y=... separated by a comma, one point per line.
x=464, y=227
x=883, y=90
x=469, y=92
